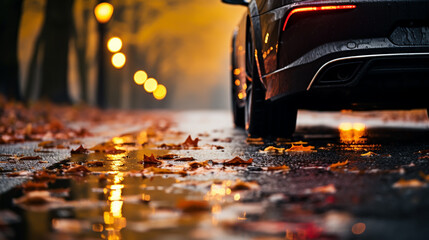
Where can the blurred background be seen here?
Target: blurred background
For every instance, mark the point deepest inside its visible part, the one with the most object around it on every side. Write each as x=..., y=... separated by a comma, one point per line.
x=60, y=51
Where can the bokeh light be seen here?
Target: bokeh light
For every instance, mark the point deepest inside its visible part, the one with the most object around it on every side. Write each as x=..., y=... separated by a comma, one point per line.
x=358, y=228
x=114, y=44
x=160, y=92
x=118, y=60
x=140, y=77
x=150, y=85
x=103, y=12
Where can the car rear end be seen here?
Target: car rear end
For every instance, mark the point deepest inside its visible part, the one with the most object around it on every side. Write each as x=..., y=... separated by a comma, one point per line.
x=348, y=54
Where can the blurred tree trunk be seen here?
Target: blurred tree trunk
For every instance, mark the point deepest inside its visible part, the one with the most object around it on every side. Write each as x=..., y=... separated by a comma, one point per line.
x=10, y=17
x=53, y=47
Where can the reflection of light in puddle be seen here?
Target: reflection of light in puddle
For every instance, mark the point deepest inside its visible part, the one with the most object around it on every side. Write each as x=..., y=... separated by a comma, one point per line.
x=113, y=218
x=352, y=133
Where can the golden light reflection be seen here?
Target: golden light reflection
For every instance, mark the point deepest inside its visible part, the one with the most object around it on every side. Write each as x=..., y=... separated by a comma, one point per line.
x=237, y=197
x=117, y=140
x=240, y=95
x=160, y=92
x=352, y=132
x=358, y=228
x=150, y=85
x=237, y=71
x=113, y=219
x=118, y=60
x=103, y=12
x=114, y=44
x=237, y=82
x=140, y=77
x=266, y=37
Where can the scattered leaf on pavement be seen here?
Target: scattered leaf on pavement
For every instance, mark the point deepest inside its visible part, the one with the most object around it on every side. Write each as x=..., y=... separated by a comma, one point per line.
x=410, y=183
x=338, y=164
x=79, y=150
x=369, y=154
x=300, y=148
x=77, y=169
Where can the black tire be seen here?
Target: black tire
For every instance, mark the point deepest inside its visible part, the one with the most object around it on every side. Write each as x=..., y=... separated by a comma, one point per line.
x=283, y=119
x=256, y=107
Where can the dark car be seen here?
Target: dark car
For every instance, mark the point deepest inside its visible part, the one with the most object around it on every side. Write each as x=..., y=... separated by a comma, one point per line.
x=327, y=55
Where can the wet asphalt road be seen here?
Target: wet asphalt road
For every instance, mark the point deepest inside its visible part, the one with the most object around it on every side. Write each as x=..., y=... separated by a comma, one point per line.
x=365, y=178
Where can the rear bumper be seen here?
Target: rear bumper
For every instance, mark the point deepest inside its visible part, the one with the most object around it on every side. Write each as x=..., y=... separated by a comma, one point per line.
x=370, y=44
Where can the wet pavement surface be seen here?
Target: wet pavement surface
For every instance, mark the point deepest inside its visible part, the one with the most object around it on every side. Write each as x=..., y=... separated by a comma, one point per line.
x=342, y=176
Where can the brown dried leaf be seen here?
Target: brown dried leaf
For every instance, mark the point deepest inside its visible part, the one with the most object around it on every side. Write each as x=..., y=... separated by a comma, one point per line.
x=78, y=169
x=46, y=144
x=195, y=165
x=238, y=161
x=43, y=175
x=151, y=160
x=79, y=150
x=188, y=143
x=240, y=186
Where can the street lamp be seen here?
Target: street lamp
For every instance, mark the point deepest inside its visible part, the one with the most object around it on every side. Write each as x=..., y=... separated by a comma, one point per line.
x=103, y=12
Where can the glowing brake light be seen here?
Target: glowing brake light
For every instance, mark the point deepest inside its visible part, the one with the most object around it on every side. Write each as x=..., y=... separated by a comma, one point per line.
x=319, y=8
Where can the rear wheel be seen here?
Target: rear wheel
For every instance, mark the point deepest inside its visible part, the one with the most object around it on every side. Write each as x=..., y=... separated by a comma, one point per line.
x=264, y=118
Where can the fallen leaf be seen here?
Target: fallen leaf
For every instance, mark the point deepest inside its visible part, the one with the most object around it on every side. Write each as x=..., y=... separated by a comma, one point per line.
x=78, y=169
x=338, y=164
x=300, y=148
x=79, y=150
x=184, y=159
x=410, y=183
x=151, y=160
x=275, y=150
x=195, y=165
x=190, y=143
x=369, y=154
x=237, y=161
x=19, y=174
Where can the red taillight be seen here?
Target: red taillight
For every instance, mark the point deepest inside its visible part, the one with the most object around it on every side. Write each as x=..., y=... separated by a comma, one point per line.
x=318, y=8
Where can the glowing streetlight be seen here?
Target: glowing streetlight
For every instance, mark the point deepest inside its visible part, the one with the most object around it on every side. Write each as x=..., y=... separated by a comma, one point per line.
x=103, y=12
x=118, y=60
x=140, y=77
x=160, y=92
x=114, y=44
x=150, y=85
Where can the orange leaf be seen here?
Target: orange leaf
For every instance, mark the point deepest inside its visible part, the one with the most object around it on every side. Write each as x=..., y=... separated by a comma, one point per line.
x=282, y=168
x=411, y=183
x=300, y=148
x=369, y=154
x=339, y=164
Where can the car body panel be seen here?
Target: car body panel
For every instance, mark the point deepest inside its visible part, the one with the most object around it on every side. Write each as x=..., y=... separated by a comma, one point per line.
x=290, y=61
